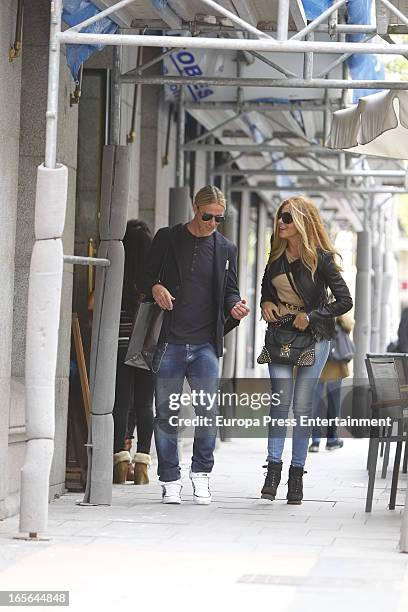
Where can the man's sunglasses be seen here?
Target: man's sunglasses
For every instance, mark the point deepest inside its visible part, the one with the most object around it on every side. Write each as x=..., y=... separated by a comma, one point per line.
x=208, y=217
x=286, y=217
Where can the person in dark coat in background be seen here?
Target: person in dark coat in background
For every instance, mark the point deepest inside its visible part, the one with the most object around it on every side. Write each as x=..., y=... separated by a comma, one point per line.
x=403, y=332
x=330, y=387
x=134, y=386
x=401, y=344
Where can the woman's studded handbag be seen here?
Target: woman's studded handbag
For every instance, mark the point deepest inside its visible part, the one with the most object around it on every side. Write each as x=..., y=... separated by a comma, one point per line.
x=287, y=345
x=284, y=344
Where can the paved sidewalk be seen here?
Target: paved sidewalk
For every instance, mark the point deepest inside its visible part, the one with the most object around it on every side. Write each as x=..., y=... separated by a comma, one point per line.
x=239, y=552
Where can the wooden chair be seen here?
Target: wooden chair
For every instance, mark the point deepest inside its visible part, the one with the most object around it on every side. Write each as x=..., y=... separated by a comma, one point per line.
x=388, y=377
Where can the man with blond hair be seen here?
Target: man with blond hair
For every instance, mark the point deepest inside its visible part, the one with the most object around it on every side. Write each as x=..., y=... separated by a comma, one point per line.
x=192, y=274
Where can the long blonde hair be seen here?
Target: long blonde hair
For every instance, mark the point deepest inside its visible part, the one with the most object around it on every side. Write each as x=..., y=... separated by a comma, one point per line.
x=309, y=224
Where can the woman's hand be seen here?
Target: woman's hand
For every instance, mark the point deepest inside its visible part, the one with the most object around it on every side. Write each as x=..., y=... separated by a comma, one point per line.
x=162, y=297
x=301, y=321
x=269, y=312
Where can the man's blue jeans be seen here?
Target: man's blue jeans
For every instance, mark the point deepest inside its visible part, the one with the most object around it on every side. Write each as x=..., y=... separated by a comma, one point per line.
x=173, y=363
x=302, y=389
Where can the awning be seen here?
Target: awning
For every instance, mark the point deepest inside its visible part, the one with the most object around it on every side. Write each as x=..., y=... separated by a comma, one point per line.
x=377, y=125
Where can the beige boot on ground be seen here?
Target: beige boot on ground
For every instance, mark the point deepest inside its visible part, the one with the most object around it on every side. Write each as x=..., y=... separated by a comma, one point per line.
x=121, y=462
x=141, y=462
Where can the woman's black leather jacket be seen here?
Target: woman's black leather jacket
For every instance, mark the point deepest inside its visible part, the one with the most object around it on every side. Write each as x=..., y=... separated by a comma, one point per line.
x=320, y=309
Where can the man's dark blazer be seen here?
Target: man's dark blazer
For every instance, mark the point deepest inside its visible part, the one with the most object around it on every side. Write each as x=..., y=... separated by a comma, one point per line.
x=164, y=266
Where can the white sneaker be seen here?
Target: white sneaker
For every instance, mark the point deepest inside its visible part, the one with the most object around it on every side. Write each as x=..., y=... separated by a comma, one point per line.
x=201, y=487
x=171, y=492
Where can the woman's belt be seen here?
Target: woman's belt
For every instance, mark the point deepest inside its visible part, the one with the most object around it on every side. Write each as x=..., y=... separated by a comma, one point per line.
x=293, y=307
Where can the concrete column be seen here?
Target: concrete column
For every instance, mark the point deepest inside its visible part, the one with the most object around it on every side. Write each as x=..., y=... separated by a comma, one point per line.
x=362, y=328
x=10, y=77
x=362, y=311
x=155, y=178
x=180, y=210
x=105, y=325
x=377, y=251
x=390, y=307
x=32, y=147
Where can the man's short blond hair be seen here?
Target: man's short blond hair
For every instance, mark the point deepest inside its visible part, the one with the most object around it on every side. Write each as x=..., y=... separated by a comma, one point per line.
x=210, y=195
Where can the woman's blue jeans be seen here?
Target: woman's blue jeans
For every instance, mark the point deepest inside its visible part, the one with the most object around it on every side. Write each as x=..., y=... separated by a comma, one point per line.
x=301, y=389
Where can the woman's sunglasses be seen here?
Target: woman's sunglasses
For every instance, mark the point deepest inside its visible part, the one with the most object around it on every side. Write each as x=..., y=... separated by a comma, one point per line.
x=286, y=217
x=208, y=217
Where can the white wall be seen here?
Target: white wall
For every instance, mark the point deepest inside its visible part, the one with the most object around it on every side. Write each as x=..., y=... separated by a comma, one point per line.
x=10, y=78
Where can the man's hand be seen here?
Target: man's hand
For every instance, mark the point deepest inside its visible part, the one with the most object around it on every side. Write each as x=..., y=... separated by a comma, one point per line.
x=269, y=312
x=240, y=310
x=301, y=321
x=162, y=297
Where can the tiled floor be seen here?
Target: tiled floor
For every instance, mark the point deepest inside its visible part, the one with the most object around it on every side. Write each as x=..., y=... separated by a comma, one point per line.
x=238, y=553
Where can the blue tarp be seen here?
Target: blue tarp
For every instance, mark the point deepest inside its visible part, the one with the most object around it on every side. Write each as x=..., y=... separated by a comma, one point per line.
x=367, y=67
x=362, y=66
x=74, y=12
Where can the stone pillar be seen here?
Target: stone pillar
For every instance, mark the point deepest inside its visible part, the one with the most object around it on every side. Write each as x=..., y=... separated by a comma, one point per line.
x=377, y=253
x=10, y=77
x=105, y=326
x=390, y=299
x=32, y=148
x=362, y=329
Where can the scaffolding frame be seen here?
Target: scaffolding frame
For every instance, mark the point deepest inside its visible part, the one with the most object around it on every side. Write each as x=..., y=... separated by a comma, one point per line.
x=300, y=42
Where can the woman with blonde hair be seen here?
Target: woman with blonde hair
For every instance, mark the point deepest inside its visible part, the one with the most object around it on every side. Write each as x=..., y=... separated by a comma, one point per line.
x=300, y=270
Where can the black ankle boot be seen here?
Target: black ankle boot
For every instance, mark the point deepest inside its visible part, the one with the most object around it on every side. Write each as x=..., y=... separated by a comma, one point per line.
x=272, y=480
x=295, y=485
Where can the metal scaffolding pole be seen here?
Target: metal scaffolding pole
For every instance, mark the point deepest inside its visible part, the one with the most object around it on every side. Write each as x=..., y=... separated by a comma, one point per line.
x=272, y=64
x=114, y=132
x=308, y=62
x=283, y=20
x=235, y=19
x=323, y=17
x=265, y=106
x=262, y=148
x=332, y=188
x=143, y=67
x=306, y=82
x=231, y=44
x=180, y=139
x=108, y=11
x=323, y=172
x=213, y=130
